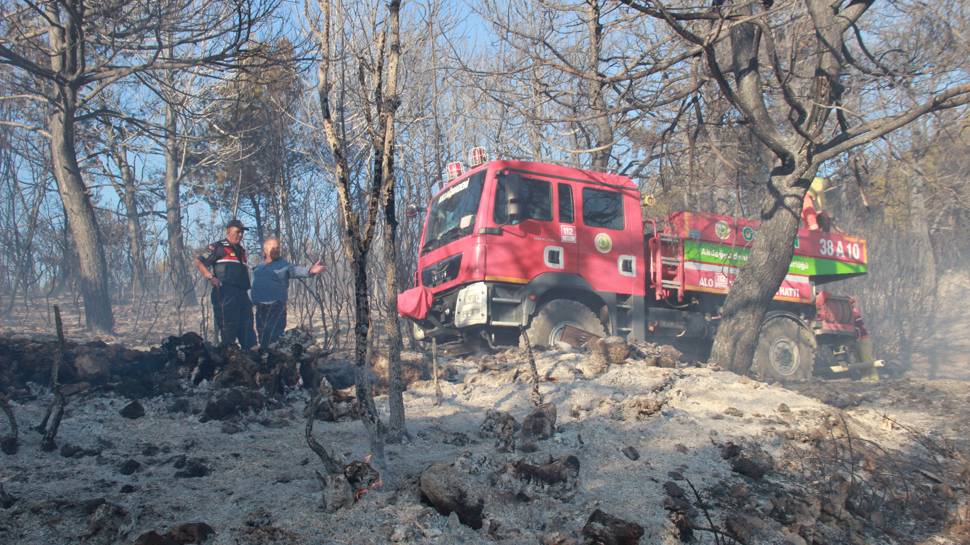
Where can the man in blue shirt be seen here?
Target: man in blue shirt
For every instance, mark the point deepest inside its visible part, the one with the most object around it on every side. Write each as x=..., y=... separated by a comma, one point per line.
x=271, y=282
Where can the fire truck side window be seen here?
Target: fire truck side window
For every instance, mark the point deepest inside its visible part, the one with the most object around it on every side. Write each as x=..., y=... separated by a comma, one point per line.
x=518, y=199
x=602, y=208
x=565, y=203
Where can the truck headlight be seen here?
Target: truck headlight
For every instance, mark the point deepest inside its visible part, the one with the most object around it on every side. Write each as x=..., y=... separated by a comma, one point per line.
x=417, y=331
x=471, y=307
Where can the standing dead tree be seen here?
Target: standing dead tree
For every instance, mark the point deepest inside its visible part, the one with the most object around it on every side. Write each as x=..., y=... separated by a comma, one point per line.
x=65, y=53
x=10, y=443
x=795, y=72
x=359, y=212
x=55, y=411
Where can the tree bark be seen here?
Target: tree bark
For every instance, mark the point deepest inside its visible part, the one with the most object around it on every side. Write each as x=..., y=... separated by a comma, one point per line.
x=128, y=193
x=173, y=213
x=758, y=280
x=396, y=424
x=93, y=273
x=603, y=148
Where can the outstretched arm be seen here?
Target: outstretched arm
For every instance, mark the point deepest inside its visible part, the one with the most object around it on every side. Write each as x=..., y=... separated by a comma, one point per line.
x=296, y=271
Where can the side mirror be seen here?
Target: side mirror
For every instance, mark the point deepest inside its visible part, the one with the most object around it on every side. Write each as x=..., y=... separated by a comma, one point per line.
x=412, y=211
x=514, y=205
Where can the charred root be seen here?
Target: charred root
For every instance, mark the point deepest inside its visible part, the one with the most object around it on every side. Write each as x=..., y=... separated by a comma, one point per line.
x=55, y=412
x=329, y=462
x=536, y=394
x=10, y=443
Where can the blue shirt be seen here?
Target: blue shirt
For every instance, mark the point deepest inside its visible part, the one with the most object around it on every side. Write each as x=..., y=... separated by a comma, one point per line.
x=271, y=281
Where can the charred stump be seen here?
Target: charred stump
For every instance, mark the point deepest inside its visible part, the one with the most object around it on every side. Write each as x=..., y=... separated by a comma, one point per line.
x=10, y=443
x=52, y=418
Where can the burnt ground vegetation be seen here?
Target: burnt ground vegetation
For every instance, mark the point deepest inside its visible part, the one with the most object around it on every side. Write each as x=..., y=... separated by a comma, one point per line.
x=187, y=443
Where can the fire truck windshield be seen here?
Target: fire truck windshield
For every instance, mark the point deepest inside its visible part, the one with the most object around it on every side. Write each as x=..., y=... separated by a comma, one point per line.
x=453, y=212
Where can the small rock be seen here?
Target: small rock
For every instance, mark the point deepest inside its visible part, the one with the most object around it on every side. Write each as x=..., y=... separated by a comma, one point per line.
x=783, y=408
x=259, y=518
x=602, y=528
x=9, y=445
x=232, y=402
x=744, y=527
x=231, y=427
x=631, y=453
x=194, y=467
x=674, y=490
x=748, y=467
x=6, y=500
x=449, y=490
x=133, y=410
x=129, y=466
x=127, y=489
x=540, y=424
x=730, y=450
x=192, y=532
x=739, y=491
x=69, y=451
x=614, y=350
x=502, y=426
x=105, y=525
x=733, y=411
x=453, y=522
x=669, y=357
x=791, y=538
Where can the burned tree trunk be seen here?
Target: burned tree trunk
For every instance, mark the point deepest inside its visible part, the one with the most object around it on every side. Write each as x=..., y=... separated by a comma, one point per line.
x=52, y=419
x=128, y=191
x=392, y=326
x=758, y=281
x=93, y=270
x=10, y=443
x=173, y=212
x=595, y=87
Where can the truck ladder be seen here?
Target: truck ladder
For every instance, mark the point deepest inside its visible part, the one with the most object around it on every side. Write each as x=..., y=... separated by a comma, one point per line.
x=667, y=265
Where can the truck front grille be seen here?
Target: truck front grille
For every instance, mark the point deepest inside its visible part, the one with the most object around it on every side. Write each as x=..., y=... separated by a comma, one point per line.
x=441, y=272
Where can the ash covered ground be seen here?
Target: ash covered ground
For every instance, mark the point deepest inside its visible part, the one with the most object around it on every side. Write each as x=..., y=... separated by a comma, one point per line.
x=183, y=445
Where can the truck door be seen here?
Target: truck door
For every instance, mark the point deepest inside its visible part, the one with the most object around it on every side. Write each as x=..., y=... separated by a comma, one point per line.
x=528, y=244
x=608, y=259
x=566, y=209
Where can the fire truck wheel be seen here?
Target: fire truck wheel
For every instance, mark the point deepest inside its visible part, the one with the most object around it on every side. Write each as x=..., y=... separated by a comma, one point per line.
x=548, y=324
x=785, y=351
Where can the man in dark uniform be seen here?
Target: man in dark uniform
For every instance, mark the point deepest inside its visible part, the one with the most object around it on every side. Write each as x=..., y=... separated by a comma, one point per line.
x=225, y=268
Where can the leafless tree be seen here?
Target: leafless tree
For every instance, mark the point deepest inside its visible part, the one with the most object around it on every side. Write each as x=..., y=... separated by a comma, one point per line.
x=359, y=221
x=807, y=55
x=67, y=52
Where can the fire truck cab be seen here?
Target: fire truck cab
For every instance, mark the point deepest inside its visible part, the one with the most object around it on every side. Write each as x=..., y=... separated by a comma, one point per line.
x=564, y=254
x=509, y=238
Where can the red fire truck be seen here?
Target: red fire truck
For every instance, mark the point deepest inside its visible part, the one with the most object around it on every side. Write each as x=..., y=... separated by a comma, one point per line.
x=559, y=253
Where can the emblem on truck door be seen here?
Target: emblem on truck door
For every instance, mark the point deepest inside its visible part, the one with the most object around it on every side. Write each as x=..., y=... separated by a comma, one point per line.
x=603, y=243
x=722, y=230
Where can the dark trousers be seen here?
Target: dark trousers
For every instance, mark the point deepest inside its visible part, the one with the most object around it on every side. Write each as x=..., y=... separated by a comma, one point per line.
x=270, y=322
x=233, y=312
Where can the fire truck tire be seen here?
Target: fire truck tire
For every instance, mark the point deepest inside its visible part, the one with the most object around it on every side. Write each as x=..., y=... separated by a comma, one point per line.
x=785, y=351
x=555, y=314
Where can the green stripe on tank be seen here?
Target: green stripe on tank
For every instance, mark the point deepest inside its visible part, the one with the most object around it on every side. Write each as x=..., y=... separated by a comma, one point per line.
x=721, y=254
